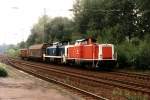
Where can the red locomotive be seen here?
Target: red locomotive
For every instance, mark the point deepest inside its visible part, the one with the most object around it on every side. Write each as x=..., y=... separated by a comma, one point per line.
x=91, y=54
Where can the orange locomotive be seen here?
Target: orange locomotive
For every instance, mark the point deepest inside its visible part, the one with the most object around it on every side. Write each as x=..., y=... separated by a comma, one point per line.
x=91, y=54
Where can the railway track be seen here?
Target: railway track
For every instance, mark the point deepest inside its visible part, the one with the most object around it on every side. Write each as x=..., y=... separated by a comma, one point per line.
x=134, y=75
x=141, y=77
x=119, y=77
x=101, y=79
x=118, y=73
x=116, y=83
x=93, y=81
x=44, y=74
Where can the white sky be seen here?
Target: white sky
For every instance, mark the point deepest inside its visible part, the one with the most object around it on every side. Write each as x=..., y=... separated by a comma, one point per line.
x=18, y=16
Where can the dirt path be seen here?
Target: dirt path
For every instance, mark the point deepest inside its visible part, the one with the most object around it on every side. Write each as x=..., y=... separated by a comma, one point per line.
x=21, y=86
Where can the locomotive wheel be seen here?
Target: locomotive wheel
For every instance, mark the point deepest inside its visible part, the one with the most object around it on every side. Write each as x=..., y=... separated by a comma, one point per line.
x=89, y=65
x=92, y=65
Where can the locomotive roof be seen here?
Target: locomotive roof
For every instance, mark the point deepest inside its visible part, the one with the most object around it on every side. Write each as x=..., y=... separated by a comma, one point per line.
x=61, y=43
x=86, y=39
x=80, y=40
x=53, y=46
x=54, y=43
x=38, y=46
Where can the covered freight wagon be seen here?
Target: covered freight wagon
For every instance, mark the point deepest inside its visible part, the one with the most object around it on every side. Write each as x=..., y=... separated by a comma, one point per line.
x=37, y=51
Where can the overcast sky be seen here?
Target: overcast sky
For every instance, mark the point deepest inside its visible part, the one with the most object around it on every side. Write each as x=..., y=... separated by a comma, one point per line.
x=18, y=16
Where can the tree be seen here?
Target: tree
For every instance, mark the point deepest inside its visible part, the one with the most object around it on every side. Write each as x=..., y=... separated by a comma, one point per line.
x=59, y=28
x=143, y=17
x=93, y=16
x=22, y=44
x=38, y=33
x=31, y=39
x=123, y=13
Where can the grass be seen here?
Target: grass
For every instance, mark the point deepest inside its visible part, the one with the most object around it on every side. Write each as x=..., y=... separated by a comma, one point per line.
x=128, y=95
x=3, y=71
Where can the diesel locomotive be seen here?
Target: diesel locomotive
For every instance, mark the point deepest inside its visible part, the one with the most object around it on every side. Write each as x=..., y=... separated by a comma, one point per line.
x=84, y=52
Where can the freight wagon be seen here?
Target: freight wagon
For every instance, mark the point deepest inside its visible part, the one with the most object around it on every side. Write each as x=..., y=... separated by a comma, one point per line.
x=23, y=53
x=37, y=51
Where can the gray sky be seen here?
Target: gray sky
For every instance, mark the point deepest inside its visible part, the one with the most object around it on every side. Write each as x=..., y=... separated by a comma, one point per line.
x=18, y=16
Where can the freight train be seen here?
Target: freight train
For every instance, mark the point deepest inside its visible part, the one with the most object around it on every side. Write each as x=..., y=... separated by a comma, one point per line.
x=84, y=52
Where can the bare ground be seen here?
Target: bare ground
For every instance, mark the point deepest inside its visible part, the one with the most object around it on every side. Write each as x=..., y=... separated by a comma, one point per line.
x=22, y=86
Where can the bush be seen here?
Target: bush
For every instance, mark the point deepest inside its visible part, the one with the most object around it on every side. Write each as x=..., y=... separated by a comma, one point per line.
x=3, y=72
x=127, y=53
x=12, y=52
x=143, y=59
x=134, y=53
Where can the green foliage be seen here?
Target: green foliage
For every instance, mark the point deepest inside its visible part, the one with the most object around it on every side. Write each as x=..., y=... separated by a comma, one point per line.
x=22, y=44
x=143, y=20
x=88, y=16
x=97, y=15
x=59, y=28
x=111, y=35
x=135, y=53
x=126, y=54
x=12, y=52
x=143, y=57
x=38, y=33
x=75, y=36
x=33, y=39
x=49, y=30
x=3, y=72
